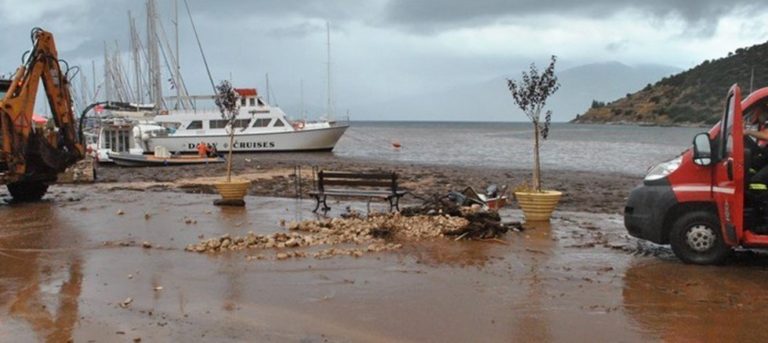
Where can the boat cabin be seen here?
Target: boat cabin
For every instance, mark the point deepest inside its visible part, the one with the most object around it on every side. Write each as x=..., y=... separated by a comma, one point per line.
x=256, y=116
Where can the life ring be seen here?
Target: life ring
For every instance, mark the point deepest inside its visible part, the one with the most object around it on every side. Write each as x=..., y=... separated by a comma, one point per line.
x=298, y=125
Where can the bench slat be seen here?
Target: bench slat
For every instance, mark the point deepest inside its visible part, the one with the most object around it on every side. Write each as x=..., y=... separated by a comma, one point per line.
x=357, y=183
x=366, y=176
x=363, y=195
x=349, y=192
x=337, y=190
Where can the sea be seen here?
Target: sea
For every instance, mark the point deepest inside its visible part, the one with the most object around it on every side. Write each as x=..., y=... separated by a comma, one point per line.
x=625, y=149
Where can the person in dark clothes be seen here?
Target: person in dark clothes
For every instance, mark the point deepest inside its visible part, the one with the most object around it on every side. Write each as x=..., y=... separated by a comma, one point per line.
x=758, y=175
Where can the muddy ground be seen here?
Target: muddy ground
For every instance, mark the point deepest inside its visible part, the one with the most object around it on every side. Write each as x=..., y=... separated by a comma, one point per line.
x=273, y=175
x=90, y=264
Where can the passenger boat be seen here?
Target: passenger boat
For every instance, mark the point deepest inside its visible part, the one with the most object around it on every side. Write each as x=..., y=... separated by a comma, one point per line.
x=261, y=128
x=141, y=160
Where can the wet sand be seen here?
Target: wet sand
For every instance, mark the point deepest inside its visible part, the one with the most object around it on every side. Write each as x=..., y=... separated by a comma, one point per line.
x=272, y=175
x=66, y=265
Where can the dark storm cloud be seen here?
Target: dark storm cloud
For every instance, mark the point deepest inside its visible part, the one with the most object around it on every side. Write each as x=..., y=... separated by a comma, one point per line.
x=432, y=15
x=333, y=10
x=107, y=20
x=297, y=31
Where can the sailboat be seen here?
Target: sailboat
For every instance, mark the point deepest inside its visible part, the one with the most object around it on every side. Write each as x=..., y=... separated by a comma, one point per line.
x=262, y=127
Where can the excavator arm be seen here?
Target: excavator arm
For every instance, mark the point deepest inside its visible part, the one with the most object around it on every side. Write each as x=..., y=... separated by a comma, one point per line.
x=33, y=156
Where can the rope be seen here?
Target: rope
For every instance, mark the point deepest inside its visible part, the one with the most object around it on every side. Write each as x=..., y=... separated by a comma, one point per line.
x=200, y=45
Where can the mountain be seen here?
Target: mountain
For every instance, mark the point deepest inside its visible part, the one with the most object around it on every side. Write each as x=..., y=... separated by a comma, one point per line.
x=694, y=96
x=491, y=101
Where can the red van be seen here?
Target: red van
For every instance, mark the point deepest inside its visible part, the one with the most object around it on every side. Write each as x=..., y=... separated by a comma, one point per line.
x=700, y=202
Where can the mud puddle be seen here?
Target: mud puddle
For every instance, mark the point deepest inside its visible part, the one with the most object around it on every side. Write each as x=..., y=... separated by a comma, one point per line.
x=67, y=269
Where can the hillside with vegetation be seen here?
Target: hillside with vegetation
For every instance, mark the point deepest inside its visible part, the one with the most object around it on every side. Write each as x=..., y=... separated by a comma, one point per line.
x=695, y=96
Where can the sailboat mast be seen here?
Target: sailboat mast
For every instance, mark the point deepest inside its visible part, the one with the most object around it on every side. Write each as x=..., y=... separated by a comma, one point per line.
x=328, y=110
x=301, y=92
x=269, y=101
x=93, y=73
x=177, y=77
x=155, y=79
x=135, y=52
x=107, y=77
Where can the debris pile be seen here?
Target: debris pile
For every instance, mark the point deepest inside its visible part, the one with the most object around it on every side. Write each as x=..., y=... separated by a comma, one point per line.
x=481, y=224
x=437, y=217
x=373, y=231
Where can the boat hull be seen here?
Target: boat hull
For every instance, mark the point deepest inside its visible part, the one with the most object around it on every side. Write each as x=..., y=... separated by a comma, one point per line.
x=133, y=160
x=301, y=140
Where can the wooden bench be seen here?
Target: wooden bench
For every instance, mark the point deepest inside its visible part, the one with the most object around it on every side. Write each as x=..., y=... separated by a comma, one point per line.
x=366, y=185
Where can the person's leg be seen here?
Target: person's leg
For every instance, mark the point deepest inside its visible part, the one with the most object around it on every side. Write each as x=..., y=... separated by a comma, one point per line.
x=759, y=181
x=757, y=198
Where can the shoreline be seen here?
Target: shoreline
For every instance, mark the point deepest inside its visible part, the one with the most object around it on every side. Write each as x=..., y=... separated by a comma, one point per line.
x=273, y=175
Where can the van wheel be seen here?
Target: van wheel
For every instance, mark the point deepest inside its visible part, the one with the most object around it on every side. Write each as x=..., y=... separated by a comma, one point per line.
x=696, y=238
x=27, y=191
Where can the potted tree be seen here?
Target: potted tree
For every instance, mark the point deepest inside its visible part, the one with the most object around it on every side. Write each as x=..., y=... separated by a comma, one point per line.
x=531, y=94
x=232, y=191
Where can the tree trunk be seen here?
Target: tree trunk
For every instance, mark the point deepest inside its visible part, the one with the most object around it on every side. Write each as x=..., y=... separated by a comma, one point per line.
x=536, y=162
x=229, y=156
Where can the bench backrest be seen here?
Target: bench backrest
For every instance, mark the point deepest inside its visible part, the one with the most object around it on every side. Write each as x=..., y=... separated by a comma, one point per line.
x=368, y=180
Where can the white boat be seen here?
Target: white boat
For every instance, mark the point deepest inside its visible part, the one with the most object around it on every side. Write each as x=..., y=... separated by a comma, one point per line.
x=123, y=135
x=132, y=160
x=260, y=127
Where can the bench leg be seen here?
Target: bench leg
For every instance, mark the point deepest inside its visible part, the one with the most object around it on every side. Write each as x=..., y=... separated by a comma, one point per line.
x=326, y=208
x=317, y=205
x=394, y=203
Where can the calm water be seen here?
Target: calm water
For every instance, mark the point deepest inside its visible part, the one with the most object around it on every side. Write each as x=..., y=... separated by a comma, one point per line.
x=610, y=148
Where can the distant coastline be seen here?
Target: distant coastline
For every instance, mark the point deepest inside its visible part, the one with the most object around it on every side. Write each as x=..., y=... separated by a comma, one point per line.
x=575, y=121
x=641, y=123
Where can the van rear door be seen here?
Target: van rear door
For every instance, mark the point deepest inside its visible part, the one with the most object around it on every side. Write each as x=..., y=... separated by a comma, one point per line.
x=729, y=171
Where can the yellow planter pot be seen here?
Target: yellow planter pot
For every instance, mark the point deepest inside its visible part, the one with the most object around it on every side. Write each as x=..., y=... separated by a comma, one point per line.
x=538, y=206
x=234, y=190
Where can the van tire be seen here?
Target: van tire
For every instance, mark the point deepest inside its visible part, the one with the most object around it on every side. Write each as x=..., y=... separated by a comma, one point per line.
x=696, y=238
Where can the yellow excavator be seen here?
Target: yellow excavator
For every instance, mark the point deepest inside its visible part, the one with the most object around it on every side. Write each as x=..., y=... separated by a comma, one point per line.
x=33, y=155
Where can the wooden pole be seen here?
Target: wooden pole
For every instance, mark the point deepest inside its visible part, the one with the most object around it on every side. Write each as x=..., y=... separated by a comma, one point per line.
x=536, y=161
x=229, y=156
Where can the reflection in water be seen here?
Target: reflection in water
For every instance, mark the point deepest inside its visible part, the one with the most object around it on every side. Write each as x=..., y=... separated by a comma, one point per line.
x=677, y=302
x=449, y=253
x=232, y=271
x=533, y=325
x=31, y=279
x=232, y=268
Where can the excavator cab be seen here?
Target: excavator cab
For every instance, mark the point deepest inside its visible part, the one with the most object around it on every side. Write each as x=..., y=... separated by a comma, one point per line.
x=4, y=85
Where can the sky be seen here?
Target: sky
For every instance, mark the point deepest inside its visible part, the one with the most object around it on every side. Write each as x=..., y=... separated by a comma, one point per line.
x=386, y=49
